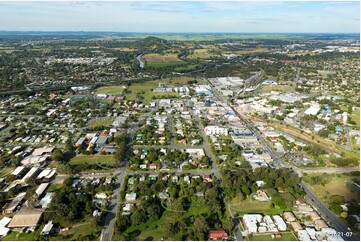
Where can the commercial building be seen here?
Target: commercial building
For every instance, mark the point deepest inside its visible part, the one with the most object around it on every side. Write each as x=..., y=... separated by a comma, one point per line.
x=26, y=218
x=213, y=130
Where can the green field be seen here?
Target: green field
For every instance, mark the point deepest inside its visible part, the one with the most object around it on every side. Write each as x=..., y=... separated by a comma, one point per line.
x=144, y=89
x=253, y=206
x=158, y=64
x=105, y=121
x=80, y=231
x=91, y=160
x=201, y=54
x=111, y=90
x=267, y=237
x=356, y=116
x=54, y=187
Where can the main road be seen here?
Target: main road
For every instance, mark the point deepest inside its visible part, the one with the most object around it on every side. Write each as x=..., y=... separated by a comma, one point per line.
x=113, y=209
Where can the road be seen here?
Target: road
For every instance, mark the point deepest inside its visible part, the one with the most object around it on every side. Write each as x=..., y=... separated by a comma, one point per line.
x=348, y=137
x=334, y=221
x=110, y=218
x=207, y=147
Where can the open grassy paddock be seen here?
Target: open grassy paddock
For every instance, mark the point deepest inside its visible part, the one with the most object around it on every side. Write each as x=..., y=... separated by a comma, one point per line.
x=111, y=90
x=201, y=54
x=355, y=116
x=158, y=64
x=287, y=236
x=160, y=58
x=335, y=184
x=252, y=206
x=105, y=121
x=92, y=159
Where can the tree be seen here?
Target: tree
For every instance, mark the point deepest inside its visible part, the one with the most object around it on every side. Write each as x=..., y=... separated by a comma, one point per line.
x=123, y=222
x=138, y=217
x=200, y=227
x=57, y=155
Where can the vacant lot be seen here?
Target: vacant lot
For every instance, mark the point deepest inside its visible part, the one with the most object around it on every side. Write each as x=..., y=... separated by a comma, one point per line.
x=355, y=116
x=92, y=160
x=111, y=90
x=252, y=206
x=334, y=184
x=268, y=88
x=267, y=237
x=99, y=122
x=160, y=58
x=141, y=90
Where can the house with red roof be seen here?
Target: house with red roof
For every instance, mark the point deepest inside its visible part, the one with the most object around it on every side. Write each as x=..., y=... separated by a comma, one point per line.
x=218, y=234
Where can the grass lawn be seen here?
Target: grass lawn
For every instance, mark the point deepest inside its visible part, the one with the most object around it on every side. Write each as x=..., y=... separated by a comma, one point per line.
x=54, y=187
x=91, y=160
x=79, y=231
x=267, y=237
x=355, y=116
x=6, y=170
x=268, y=88
x=111, y=90
x=15, y=236
x=252, y=206
x=105, y=121
x=334, y=185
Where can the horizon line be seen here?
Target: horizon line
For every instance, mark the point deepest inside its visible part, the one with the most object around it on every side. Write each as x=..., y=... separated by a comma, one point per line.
x=145, y=32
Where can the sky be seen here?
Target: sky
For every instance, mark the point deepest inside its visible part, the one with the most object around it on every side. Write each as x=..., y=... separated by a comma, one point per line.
x=189, y=16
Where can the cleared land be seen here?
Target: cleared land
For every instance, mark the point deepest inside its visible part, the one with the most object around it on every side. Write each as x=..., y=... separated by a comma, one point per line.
x=248, y=51
x=252, y=206
x=201, y=54
x=106, y=122
x=160, y=58
x=158, y=64
x=355, y=116
x=92, y=160
x=268, y=88
x=334, y=184
x=267, y=237
x=111, y=90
